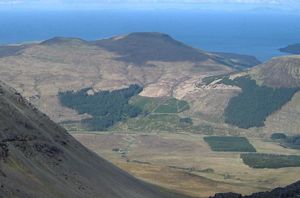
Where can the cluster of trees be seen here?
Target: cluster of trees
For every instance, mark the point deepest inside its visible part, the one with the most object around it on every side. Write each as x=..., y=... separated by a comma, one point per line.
x=278, y=136
x=287, y=141
x=292, y=142
x=255, y=103
x=208, y=80
x=229, y=144
x=186, y=120
x=260, y=160
x=105, y=107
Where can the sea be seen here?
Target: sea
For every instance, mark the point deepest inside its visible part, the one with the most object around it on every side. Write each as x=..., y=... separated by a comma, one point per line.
x=259, y=34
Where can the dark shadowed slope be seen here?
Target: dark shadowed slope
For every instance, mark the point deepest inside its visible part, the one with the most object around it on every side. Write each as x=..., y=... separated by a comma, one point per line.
x=291, y=191
x=140, y=47
x=243, y=61
x=11, y=50
x=38, y=158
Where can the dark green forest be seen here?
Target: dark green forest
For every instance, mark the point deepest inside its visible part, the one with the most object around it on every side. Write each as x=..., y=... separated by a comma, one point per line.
x=255, y=103
x=261, y=160
x=105, y=107
x=292, y=142
x=229, y=144
x=278, y=136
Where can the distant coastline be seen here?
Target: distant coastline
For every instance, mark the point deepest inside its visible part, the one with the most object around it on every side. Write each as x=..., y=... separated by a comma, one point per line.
x=291, y=49
x=22, y=43
x=244, y=60
x=210, y=31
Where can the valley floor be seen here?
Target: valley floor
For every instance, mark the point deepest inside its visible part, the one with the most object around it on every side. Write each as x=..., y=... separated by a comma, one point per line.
x=185, y=163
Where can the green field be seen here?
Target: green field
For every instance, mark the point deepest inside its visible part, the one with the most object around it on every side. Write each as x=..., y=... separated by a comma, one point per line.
x=123, y=108
x=259, y=160
x=155, y=122
x=160, y=105
x=158, y=114
x=146, y=104
x=172, y=105
x=229, y=144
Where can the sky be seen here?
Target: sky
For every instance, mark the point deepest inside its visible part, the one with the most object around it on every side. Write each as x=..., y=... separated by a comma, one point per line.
x=65, y=4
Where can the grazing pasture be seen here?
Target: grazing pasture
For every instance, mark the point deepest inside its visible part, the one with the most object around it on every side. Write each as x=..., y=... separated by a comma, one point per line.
x=184, y=162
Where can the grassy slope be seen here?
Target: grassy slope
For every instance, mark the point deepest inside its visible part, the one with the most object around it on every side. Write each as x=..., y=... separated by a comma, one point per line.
x=184, y=161
x=43, y=160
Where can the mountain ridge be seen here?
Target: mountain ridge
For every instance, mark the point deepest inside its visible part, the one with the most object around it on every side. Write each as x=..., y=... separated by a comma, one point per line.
x=279, y=72
x=140, y=47
x=40, y=71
